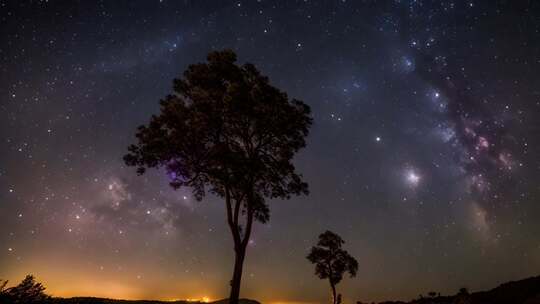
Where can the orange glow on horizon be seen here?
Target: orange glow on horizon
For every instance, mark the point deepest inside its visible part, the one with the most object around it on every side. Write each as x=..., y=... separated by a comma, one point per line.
x=202, y=300
x=84, y=280
x=290, y=302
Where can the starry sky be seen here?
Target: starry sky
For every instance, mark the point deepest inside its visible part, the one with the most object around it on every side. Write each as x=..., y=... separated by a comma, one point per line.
x=423, y=155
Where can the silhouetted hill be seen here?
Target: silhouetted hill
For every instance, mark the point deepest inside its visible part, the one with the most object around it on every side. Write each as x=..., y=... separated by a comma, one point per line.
x=92, y=300
x=512, y=292
x=525, y=291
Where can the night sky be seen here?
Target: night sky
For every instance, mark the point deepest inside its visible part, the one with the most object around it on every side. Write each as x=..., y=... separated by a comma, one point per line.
x=423, y=156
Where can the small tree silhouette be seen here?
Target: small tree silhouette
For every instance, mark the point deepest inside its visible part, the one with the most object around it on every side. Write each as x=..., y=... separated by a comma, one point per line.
x=27, y=292
x=331, y=262
x=463, y=297
x=3, y=284
x=3, y=294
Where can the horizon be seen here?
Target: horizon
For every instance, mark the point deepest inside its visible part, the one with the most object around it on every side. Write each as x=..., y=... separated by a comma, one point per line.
x=206, y=299
x=422, y=154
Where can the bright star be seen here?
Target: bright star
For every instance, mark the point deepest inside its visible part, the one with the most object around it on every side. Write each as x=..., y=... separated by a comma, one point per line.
x=412, y=177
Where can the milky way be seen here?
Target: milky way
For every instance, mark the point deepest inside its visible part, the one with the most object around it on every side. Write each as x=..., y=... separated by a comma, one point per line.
x=423, y=155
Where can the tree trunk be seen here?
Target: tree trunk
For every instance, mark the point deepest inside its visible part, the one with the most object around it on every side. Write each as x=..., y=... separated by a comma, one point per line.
x=334, y=297
x=240, y=254
x=240, y=243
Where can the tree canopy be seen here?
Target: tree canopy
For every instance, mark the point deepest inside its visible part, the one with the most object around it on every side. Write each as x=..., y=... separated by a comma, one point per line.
x=226, y=126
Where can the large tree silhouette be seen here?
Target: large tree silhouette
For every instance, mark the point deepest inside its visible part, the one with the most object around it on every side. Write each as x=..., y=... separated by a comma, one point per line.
x=331, y=262
x=227, y=131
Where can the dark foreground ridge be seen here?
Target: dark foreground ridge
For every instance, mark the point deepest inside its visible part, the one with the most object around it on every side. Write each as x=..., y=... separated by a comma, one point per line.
x=92, y=300
x=526, y=291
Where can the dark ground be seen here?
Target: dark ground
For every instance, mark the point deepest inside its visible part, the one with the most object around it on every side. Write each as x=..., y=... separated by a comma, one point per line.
x=526, y=291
